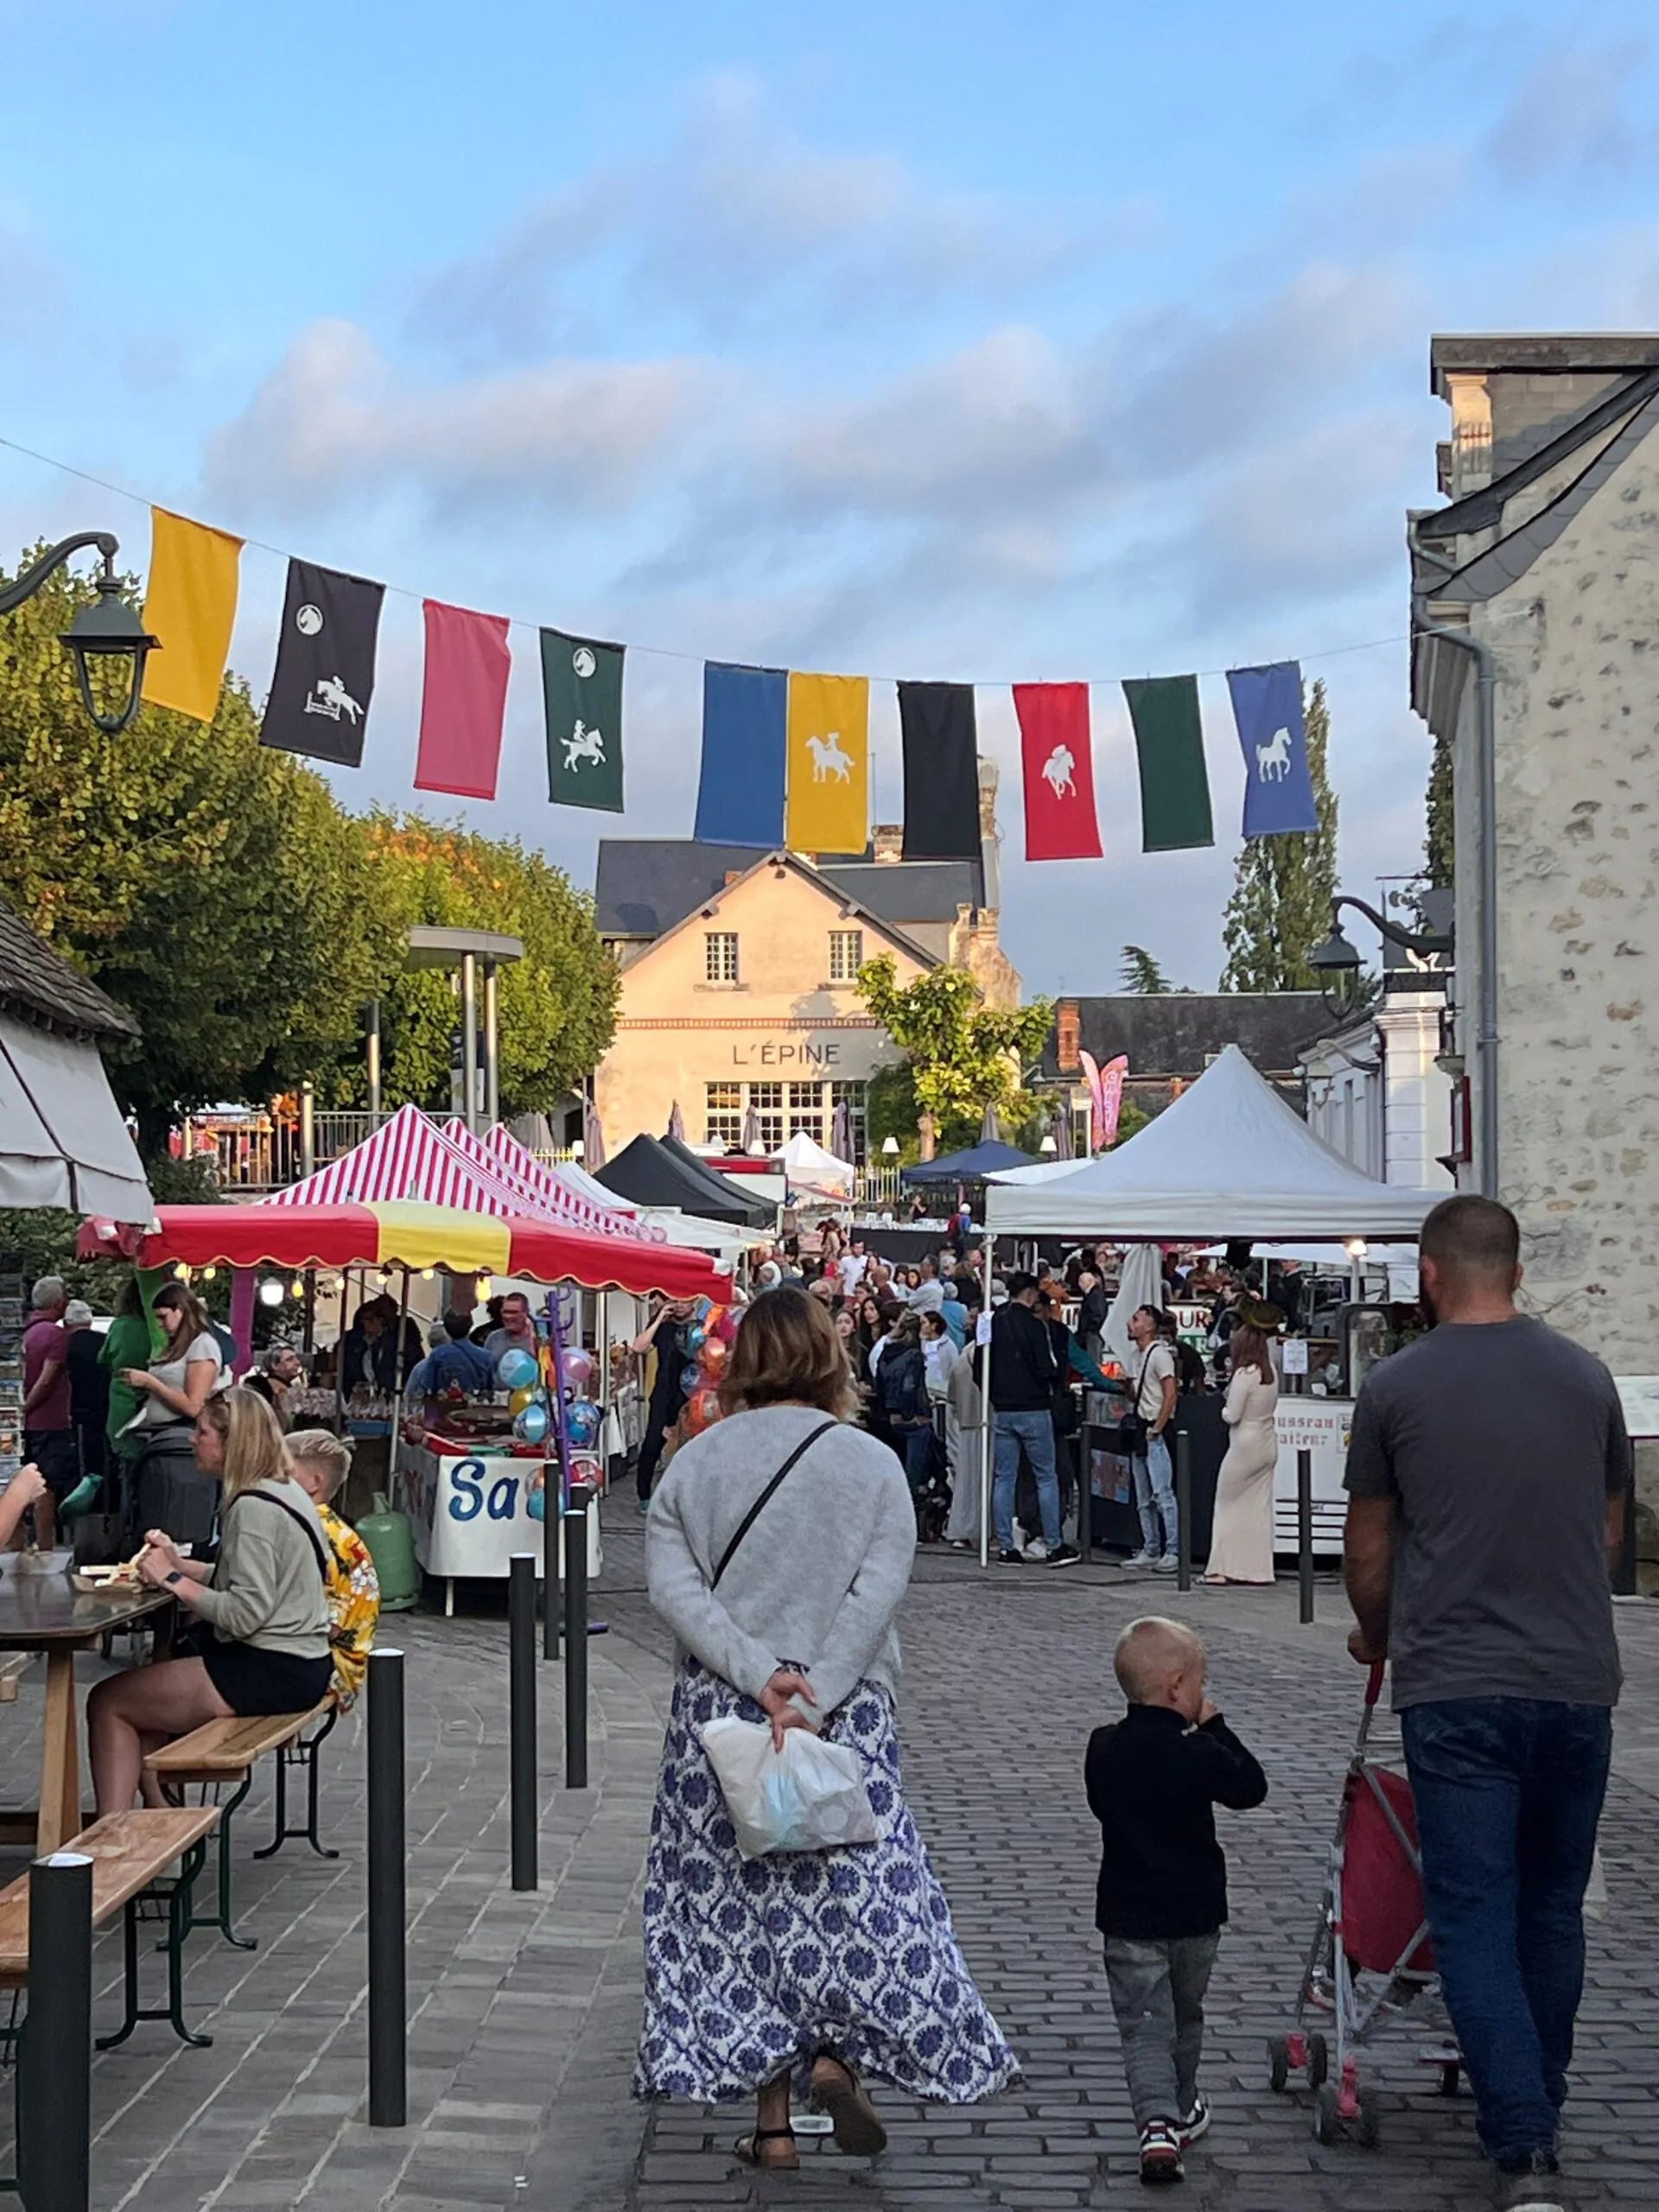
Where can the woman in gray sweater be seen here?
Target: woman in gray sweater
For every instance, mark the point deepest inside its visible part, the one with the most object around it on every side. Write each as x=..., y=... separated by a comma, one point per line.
x=262, y=1605
x=803, y=1970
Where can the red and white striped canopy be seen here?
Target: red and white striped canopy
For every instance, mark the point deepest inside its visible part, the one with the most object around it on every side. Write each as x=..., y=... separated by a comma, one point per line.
x=409, y=1157
x=545, y=1190
x=509, y=1155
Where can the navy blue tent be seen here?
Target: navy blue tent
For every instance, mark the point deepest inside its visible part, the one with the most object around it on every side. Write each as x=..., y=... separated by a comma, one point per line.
x=971, y=1166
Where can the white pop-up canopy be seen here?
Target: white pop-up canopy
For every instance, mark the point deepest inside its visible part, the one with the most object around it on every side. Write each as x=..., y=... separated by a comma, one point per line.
x=1229, y=1158
x=809, y=1168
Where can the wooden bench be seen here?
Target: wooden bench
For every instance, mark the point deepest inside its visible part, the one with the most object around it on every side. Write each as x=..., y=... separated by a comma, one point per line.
x=131, y=1854
x=224, y=1753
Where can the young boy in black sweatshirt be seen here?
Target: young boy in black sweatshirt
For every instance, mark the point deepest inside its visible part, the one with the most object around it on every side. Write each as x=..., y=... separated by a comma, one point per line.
x=1153, y=1780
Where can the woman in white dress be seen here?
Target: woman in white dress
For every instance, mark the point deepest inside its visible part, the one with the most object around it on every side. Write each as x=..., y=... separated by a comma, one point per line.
x=1241, y=1543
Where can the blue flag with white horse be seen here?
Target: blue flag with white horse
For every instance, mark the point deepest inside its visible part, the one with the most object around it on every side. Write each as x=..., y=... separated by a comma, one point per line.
x=1272, y=737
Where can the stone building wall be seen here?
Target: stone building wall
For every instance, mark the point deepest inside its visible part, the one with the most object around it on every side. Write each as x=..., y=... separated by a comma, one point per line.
x=1577, y=761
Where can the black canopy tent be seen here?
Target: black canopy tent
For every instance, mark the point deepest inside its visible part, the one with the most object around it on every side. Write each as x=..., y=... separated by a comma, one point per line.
x=652, y=1173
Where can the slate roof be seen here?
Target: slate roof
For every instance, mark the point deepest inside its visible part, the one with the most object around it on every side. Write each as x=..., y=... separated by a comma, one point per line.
x=41, y=986
x=645, y=885
x=907, y=892
x=1179, y=1032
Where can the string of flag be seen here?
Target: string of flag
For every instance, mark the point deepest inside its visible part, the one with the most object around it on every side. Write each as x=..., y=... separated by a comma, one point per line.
x=786, y=752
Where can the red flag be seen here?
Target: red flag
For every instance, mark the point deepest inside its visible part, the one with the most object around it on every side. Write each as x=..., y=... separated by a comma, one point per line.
x=464, y=701
x=1060, y=771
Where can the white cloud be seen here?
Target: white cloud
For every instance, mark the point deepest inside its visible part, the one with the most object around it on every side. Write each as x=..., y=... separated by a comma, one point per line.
x=1568, y=113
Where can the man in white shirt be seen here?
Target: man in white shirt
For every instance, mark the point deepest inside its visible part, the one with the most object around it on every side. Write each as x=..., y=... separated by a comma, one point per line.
x=851, y=1267
x=1155, y=1394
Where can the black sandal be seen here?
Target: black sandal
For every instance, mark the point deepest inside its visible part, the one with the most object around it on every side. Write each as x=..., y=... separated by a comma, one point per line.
x=748, y=2150
x=838, y=2091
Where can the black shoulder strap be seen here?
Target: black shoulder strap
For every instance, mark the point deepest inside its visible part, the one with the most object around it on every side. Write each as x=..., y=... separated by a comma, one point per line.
x=318, y=1544
x=760, y=1502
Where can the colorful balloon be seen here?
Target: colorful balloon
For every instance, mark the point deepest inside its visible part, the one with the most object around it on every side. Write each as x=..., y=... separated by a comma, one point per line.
x=701, y=1410
x=712, y=1358
x=578, y=1369
x=689, y=1378
x=696, y=1337
x=581, y=1419
x=517, y=1370
x=530, y=1426
x=520, y=1399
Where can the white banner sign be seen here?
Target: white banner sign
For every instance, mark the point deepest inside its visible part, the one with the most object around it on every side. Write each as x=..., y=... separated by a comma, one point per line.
x=471, y=1514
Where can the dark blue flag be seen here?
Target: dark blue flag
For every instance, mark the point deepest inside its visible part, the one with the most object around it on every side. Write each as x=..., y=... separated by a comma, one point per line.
x=1278, y=790
x=745, y=729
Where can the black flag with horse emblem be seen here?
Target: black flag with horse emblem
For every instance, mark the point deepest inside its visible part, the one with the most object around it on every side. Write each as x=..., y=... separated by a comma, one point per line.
x=319, y=694
x=582, y=690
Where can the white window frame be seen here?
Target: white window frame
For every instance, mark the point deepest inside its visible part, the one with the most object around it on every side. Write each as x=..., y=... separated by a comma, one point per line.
x=840, y=972
x=720, y=957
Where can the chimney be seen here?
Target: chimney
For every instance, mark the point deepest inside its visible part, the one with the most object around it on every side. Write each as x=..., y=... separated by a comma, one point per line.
x=888, y=843
x=1068, y=1037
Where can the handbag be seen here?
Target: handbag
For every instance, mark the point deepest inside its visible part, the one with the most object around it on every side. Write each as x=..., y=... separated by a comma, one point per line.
x=1133, y=1428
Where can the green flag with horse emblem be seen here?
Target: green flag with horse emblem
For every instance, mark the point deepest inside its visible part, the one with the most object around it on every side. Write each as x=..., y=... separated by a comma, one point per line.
x=582, y=690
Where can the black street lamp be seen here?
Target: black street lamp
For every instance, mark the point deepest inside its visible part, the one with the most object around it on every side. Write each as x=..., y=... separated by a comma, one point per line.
x=1339, y=958
x=108, y=630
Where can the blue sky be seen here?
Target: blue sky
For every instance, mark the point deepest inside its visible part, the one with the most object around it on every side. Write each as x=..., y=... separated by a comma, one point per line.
x=1069, y=339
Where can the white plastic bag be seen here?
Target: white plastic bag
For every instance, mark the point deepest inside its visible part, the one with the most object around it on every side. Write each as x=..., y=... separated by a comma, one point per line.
x=810, y=1796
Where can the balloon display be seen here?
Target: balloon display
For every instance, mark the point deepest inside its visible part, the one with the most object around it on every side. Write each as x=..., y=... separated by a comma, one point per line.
x=520, y=1399
x=581, y=1419
x=517, y=1370
x=578, y=1369
x=530, y=1426
x=701, y=1411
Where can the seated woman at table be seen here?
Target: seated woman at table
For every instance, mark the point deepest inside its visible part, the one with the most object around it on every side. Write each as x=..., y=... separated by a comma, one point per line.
x=321, y=1463
x=264, y=1618
x=26, y=1487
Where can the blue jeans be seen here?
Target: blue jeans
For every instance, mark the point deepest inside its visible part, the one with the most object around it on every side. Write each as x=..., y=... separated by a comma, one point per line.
x=1508, y=1796
x=1036, y=1432
x=1154, y=1499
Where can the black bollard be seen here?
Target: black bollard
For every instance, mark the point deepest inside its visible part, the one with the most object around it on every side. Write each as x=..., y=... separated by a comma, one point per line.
x=54, y=2064
x=388, y=1899
x=552, y=1593
x=521, y=1714
x=576, y=1637
x=1184, y=1510
x=1305, y=1532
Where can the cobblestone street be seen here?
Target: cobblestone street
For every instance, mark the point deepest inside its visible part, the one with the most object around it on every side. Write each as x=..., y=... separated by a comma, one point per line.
x=525, y=2008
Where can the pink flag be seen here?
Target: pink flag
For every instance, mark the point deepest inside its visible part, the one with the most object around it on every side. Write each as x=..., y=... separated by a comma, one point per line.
x=464, y=702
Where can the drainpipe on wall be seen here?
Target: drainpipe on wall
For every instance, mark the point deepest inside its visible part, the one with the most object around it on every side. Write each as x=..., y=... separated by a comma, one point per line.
x=1487, y=1037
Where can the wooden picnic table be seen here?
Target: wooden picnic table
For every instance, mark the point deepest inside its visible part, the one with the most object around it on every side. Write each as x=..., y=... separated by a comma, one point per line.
x=45, y=1612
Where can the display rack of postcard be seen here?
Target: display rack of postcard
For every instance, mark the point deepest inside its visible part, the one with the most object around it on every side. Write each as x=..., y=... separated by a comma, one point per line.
x=11, y=1376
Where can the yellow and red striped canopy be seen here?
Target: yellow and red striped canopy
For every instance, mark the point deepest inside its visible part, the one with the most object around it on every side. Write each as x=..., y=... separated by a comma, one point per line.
x=402, y=1234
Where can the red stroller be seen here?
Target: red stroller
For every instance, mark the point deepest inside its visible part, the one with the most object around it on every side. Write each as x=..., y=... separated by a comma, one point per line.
x=1372, y=1923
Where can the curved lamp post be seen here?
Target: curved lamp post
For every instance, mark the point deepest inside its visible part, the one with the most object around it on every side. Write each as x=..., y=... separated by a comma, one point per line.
x=1339, y=958
x=108, y=630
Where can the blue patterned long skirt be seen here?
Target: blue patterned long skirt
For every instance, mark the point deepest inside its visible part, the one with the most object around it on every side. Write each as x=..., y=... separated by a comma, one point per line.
x=754, y=1966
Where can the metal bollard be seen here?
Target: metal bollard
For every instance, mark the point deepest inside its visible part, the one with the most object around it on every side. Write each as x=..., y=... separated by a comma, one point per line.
x=388, y=1898
x=576, y=1637
x=55, y=2063
x=1184, y=1510
x=552, y=1601
x=521, y=1714
x=1305, y=1531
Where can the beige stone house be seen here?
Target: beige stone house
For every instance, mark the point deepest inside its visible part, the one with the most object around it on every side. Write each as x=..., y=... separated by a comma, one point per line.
x=1535, y=619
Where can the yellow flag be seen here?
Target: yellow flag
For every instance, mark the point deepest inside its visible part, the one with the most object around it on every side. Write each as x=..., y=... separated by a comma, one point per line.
x=828, y=790
x=189, y=605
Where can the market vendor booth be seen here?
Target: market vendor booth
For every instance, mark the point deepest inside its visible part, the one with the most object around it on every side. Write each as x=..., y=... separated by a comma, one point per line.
x=1231, y=1162
x=473, y=1473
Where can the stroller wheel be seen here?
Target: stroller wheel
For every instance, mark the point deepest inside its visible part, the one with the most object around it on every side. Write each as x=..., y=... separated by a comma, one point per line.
x=1368, y=2129
x=1327, y=2114
x=1278, y=2066
x=1318, y=2062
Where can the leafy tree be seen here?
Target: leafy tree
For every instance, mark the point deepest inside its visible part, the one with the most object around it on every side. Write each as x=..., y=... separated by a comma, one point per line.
x=1142, y=975
x=214, y=888
x=1439, y=846
x=963, y=1055
x=1280, y=906
x=557, y=1008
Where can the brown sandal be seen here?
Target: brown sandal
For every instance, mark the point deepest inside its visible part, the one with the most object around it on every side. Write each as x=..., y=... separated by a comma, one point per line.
x=838, y=2091
x=748, y=2149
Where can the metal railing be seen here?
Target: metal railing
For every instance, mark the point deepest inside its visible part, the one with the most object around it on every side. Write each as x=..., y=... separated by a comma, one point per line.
x=261, y=1152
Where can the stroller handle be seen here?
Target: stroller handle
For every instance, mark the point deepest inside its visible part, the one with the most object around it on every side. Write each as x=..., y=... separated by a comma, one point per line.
x=1374, y=1682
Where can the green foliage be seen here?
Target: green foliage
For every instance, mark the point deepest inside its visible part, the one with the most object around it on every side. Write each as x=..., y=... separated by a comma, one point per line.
x=1280, y=906
x=962, y=1055
x=1140, y=974
x=37, y=1240
x=213, y=888
x=557, y=1004
x=891, y=1111
x=1440, y=845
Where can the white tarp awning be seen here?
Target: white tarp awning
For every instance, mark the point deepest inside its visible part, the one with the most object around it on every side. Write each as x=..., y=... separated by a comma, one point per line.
x=808, y=1166
x=1229, y=1158
x=62, y=1139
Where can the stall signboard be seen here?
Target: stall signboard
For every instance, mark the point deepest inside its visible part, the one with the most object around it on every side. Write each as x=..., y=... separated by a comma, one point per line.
x=1295, y=1355
x=471, y=1514
x=1639, y=1395
x=1319, y=1426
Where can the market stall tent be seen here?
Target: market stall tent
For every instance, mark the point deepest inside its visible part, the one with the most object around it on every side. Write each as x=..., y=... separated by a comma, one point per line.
x=973, y=1166
x=1229, y=1158
x=812, y=1171
x=759, y=1212
x=652, y=1175
x=393, y=1233
x=563, y=1174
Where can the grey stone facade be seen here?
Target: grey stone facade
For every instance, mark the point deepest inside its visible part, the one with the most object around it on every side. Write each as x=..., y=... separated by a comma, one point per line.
x=1555, y=567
